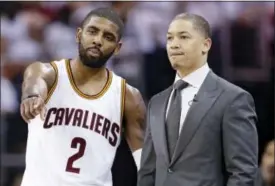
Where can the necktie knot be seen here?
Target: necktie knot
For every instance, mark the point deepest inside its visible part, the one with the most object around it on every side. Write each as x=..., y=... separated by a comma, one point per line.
x=180, y=84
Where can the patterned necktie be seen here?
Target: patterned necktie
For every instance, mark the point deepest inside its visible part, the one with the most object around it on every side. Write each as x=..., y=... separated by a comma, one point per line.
x=173, y=117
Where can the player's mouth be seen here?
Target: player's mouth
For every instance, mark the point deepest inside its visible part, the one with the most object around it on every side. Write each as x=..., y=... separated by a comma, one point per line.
x=94, y=51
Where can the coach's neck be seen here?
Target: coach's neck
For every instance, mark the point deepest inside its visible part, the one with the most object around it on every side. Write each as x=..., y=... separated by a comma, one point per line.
x=184, y=71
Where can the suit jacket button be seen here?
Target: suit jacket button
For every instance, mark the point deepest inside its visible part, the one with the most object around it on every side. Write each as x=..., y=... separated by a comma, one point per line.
x=170, y=170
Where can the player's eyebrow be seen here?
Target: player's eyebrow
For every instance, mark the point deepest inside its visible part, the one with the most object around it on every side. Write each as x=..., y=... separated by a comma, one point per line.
x=104, y=31
x=93, y=27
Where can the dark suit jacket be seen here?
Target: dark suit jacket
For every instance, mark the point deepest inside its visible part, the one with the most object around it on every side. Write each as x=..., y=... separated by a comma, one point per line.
x=218, y=144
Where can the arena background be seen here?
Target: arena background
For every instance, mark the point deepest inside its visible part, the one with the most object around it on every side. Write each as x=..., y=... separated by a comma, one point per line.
x=242, y=52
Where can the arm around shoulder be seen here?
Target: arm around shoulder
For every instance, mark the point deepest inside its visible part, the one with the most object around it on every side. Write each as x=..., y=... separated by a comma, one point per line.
x=240, y=140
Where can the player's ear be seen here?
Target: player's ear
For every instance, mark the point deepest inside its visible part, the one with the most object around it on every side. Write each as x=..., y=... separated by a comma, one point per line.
x=78, y=34
x=118, y=48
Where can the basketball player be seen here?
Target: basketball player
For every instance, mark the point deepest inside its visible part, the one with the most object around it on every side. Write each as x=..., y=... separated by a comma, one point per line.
x=75, y=110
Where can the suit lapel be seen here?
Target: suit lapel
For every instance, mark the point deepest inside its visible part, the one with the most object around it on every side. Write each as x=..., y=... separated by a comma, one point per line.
x=205, y=98
x=160, y=109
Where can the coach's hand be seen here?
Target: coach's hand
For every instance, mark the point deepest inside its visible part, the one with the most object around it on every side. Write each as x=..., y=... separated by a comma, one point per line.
x=31, y=107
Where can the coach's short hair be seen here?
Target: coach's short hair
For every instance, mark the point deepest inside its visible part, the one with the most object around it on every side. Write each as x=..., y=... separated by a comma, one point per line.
x=199, y=23
x=107, y=13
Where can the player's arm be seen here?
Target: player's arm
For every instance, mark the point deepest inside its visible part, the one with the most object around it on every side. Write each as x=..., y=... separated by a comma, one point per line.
x=38, y=79
x=134, y=115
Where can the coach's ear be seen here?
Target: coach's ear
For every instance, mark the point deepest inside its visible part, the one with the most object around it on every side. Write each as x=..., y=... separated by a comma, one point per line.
x=78, y=35
x=118, y=48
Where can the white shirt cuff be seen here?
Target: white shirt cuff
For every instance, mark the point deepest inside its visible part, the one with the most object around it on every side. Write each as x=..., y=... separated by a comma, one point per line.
x=137, y=157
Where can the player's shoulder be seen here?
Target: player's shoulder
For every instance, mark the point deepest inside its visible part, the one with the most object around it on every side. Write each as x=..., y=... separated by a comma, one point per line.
x=45, y=67
x=134, y=102
x=39, y=65
x=128, y=88
x=131, y=89
x=45, y=70
x=132, y=94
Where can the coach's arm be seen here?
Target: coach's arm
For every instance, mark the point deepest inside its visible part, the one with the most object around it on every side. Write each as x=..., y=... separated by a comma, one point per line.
x=134, y=115
x=240, y=141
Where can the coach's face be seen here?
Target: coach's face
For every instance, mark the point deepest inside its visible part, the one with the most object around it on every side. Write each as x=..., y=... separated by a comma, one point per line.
x=185, y=46
x=97, y=41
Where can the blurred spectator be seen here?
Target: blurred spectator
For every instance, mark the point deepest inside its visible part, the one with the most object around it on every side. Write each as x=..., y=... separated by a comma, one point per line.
x=268, y=166
x=9, y=102
x=3, y=51
x=60, y=41
x=8, y=93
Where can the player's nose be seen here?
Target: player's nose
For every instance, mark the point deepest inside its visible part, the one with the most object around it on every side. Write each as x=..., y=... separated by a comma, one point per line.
x=97, y=41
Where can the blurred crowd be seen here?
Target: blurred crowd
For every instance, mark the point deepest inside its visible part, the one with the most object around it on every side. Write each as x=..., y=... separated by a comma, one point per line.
x=242, y=52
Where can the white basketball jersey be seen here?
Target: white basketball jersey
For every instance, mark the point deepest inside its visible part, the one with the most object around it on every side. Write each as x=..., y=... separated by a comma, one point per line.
x=76, y=143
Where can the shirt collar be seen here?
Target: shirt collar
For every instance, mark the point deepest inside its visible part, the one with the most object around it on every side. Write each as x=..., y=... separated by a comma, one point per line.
x=196, y=78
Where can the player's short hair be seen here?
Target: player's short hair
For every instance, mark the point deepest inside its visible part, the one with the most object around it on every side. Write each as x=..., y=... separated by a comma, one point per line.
x=199, y=23
x=107, y=13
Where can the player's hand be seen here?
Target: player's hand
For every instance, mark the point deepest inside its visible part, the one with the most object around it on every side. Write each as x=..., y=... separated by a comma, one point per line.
x=31, y=107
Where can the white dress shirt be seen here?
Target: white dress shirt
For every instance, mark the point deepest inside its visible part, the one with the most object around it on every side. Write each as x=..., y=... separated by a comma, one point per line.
x=195, y=80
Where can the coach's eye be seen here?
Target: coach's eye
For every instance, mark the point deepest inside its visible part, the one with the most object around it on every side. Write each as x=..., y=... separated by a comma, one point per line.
x=184, y=37
x=169, y=38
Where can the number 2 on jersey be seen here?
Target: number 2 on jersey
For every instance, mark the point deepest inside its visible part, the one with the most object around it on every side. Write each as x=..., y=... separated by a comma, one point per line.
x=79, y=143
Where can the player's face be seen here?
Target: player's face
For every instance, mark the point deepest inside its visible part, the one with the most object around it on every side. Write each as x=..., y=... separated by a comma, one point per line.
x=268, y=163
x=97, y=41
x=185, y=45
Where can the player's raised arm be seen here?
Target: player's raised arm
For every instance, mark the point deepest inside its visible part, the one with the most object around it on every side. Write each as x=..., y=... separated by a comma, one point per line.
x=38, y=79
x=135, y=111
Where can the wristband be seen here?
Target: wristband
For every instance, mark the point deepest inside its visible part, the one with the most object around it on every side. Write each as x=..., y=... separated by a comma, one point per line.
x=31, y=96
